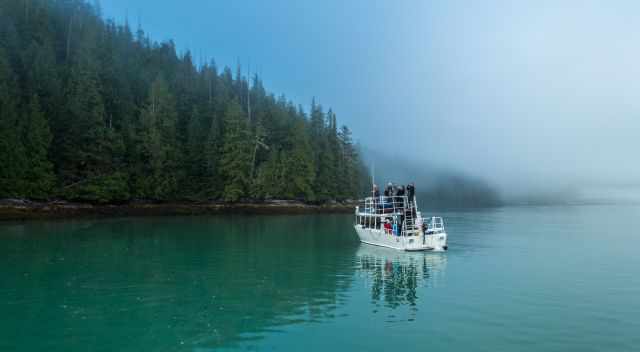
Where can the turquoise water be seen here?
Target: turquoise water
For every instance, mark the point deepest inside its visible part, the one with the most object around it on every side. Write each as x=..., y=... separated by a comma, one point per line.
x=526, y=279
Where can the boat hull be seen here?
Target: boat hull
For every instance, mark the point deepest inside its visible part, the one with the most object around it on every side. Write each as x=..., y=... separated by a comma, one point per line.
x=377, y=237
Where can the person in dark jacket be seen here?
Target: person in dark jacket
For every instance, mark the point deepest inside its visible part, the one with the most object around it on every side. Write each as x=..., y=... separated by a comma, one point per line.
x=376, y=191
x=400, y=198
x=388, y=191
x=411, y=191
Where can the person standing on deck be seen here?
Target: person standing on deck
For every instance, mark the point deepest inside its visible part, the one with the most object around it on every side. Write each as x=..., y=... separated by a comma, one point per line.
x=387, y=227
x=393, y=193
x=400, y=194
x=388, y=191
x=411, y=191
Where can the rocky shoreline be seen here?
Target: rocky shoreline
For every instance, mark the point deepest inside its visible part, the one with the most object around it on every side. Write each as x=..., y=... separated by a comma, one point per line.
x=19, y=209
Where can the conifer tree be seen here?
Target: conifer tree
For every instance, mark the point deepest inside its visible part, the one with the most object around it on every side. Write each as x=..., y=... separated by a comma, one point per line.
x=212, y=149
x=12, y=154
x=299, y=164
x=89, y=146
x=157, y=172
x=348, y=165
x=194, y=160
x=270, y=181
x=235, y=162
x=38, y=176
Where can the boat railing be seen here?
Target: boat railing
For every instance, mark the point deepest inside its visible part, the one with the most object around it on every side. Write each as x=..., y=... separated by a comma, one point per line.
x=434, y=224
x=385, y=205
x=372, y=212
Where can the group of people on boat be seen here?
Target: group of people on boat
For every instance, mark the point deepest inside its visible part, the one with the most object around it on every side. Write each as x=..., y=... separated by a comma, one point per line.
x=393, y=190
x=392, y=225
x=396, y=203
x=391, y=218
x=394, y=199
x=391, y=228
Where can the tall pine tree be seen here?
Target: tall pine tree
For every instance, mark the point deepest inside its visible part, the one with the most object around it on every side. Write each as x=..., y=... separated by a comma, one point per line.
x=38, y=176
x=235, y=162
x=13, y=159
x=157, y=155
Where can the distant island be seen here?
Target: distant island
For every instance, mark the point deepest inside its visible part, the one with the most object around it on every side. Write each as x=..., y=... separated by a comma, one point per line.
x=94, y=113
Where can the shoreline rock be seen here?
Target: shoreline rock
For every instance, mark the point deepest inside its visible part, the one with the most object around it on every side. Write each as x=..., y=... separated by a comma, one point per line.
x=21, y=209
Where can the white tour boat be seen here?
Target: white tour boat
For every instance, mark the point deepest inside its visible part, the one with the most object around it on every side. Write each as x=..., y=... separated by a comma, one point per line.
x=395, y=222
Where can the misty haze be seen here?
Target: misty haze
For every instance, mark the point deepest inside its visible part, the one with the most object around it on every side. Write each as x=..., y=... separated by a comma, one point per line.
x=534, y=99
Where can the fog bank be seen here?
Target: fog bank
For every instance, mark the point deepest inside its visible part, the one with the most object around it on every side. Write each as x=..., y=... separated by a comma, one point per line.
x=538, y=99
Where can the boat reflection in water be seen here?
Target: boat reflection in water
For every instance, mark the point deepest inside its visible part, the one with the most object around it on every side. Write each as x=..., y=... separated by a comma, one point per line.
x=395, y=278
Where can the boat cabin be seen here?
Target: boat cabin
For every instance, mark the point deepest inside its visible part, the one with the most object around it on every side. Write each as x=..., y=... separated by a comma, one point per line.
x=397, y=212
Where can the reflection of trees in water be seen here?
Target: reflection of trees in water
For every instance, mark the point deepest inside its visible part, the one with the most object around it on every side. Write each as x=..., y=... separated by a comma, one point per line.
x=395, y=277
x=181, y=282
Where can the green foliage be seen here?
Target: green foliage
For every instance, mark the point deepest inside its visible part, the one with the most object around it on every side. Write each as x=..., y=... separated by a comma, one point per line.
x=299, y=166
x=90, y=111
x=111, y=188
x=270, y=181
x=157, y=154
x=211, y=160
x=83, y=141
x=12, y=153
x=236, y=159
x=38, y=174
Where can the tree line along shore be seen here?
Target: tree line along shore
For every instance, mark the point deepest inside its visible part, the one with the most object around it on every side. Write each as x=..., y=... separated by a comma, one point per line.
x=20, y=209
x=94, y=113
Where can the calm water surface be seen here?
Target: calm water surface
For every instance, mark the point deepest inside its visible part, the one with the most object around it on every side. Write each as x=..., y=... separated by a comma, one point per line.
x=526, y=279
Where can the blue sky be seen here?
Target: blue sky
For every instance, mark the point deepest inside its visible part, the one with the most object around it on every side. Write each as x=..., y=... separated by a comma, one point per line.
x=533, y=93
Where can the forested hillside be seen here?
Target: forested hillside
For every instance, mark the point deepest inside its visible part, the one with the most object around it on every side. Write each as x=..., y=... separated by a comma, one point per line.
x=91, y=111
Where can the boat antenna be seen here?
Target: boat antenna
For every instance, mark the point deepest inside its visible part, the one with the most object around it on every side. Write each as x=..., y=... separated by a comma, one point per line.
x=373, y=177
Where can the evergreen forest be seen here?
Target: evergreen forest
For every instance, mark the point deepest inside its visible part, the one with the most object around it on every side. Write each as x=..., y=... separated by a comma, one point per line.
x=93, y=111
